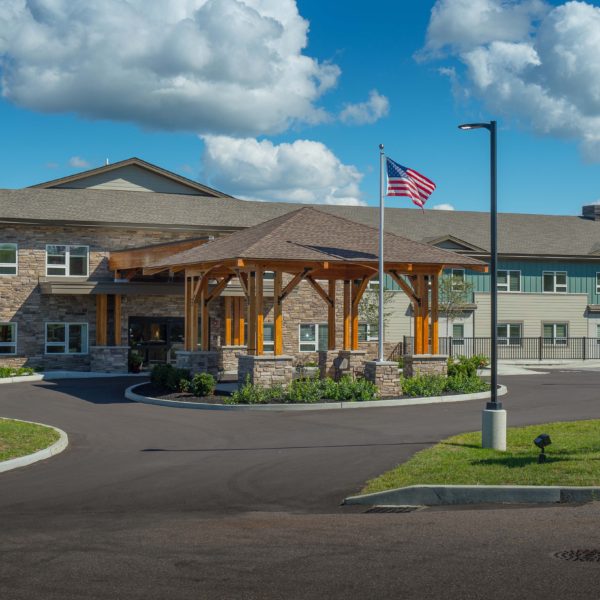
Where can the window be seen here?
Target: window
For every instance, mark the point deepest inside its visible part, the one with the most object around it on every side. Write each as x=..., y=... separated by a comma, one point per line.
x=66, y=338
x=555, y=281
x=313, y=337
x=458, y=334
x=597, y=283
x=367, y=332
x=509, y=334
x=556, y=334
x=8, y=338
x=70, y=261
x=268, y=337
x=8, y=259
x=509, y=281
x=598, y=334
x=458, y=278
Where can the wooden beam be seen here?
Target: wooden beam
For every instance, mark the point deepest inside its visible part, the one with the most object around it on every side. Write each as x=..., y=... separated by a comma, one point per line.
x=236, y=321
x=252, y=314
x=243, y=310
x=347, y=310
x=101, y=319
x=218, y=289
x=278, y=314
x=331, y=316
x=260, y=317
x=418, y=319
x=242, y=277
x=403, y=286
x=186, y=315
x=294, y=282
x=117, y=320
x=435, y=291
x=425, y=312
x=204, y=316
x=194, y=325
x=354, y=318
x=315, y=285
x=359, y=290
x=228, y=320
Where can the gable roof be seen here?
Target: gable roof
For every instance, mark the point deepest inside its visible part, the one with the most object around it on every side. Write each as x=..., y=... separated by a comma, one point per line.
x=309, y=235
x=450, y=242
x=142, y=164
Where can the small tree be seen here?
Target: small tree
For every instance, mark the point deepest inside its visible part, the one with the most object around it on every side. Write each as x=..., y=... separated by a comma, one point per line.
x=454, y=293
x=368, y=307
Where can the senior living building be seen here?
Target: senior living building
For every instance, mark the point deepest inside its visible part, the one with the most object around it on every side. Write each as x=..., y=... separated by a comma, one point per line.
x=73, y=253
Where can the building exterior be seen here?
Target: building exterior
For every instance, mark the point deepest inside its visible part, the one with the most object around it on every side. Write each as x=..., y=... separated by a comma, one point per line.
x=60, y=242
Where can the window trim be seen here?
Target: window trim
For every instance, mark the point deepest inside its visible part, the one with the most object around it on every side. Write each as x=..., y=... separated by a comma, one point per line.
x=267, y=345
x=555, y=291
x=316, y=342
x=370, y=338
x=508, y=272
x=552, y=341
x=458, y=341
x=506, y=340
x=463, y=278
x=15, y=264
x=10, y=344
x=65, y=344
x=597, y=282
x=68, y=260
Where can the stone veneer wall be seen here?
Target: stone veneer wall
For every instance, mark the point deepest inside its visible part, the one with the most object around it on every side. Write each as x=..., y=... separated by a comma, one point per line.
x=109, y=359
x=265, y=371
x=385, y=376
x=425, y=364
x=199, y=362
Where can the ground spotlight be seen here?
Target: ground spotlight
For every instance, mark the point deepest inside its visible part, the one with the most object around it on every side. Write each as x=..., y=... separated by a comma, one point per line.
x=541, y=441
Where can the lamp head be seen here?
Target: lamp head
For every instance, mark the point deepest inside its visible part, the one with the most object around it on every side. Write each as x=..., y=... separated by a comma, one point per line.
x=468, y=126
x=542, y=440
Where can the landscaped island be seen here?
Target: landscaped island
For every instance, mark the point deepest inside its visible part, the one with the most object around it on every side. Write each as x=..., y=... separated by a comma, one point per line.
x=18, y=438
x=573, y=459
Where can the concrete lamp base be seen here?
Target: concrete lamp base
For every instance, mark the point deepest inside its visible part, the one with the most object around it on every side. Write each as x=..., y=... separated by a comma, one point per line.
x=493, y=429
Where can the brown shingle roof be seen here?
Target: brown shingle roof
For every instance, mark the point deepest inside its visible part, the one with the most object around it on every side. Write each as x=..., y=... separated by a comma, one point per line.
x=309, y=234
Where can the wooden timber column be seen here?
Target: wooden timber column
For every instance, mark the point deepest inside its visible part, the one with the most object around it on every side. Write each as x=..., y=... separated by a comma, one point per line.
x=204, y=316
x=252, y=313
x=331, y=316
x=260, y=315
x=228, y=320
x=187, y=317
x=435, y=338
x=354, y=316
x=117, y=320
x=101, y=320
x=278, y=314
x=425, y=312
x=347, y=315
x=418, y=317
x=239, y=308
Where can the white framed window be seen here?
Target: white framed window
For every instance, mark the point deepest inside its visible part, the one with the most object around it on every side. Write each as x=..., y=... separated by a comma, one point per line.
x=66, y=338
x=458, y=334
x=509, y=281
x=509, y=334
x=68, y=261
x=368, y=332
x=556, y=334
x=598, y=334
x=8, y=338
x=597, y=283
x=9, y=257
x=313, y=336
x=458, y=278
x=268, y=337
x=555, y=282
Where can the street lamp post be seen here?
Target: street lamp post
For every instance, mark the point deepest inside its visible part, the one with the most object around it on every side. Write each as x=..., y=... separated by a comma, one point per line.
x=494, y=417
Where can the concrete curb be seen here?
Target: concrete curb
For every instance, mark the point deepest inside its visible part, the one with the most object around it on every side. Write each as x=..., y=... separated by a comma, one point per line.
x=22, y=461
x=436, y=495
x=54, y=375
x=21, y=378
x=131, y=395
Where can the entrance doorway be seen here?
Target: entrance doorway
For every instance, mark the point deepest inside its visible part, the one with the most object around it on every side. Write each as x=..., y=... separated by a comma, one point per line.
x=156, y=338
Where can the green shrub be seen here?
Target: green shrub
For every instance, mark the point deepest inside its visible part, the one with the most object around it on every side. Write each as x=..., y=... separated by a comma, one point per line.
x=184, y=385
x=356, y=390
x=466, y=385
x=255, y=394
x=329, y=389
x=466, y=366
x=304, y=390
x=15, y=372
x=423, y=385
x=168, y=376
x=202, y=384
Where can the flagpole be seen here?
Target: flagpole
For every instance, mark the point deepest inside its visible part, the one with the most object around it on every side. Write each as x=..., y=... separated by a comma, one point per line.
x=381, y=273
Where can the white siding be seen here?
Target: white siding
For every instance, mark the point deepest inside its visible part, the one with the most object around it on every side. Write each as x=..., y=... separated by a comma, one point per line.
x=131, y=178
x=532, y=310
x=398, y=324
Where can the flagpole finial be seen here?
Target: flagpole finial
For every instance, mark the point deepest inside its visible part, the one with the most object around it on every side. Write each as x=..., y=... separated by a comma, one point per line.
x=381, y=147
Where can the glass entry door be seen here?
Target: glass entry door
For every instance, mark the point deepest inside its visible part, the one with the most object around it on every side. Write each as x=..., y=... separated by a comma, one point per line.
x=156, y=338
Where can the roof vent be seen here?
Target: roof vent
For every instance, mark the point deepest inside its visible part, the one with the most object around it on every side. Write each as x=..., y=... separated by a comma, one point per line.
x=591, y=211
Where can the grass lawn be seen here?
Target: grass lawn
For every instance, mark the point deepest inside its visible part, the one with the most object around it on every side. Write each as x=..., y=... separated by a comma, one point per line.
x=19, y=439
x=573, y=459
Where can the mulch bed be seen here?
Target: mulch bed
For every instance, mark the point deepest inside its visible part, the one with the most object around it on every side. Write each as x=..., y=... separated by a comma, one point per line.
x=156, y=391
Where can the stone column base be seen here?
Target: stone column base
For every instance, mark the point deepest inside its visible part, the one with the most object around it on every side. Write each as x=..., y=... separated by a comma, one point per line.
x=425, y=364
x=228, y=357
x=264, y=370
x=109, y=359
x=385, y=376
x=198, y=362
x=350, y=362
x=328, y=360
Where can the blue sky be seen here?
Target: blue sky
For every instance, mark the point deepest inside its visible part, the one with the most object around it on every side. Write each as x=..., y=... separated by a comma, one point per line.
x=549, y=126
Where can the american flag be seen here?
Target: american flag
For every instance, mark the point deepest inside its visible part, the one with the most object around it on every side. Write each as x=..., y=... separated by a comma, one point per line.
x=403, y=181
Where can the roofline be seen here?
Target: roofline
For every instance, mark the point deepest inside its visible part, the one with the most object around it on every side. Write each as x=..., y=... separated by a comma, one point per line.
x=134, y=160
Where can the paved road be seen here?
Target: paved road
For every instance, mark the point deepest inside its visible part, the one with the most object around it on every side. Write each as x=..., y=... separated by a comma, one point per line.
x=151, y=502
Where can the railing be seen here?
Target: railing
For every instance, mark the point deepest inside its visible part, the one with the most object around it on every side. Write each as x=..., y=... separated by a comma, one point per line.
x=524, y=348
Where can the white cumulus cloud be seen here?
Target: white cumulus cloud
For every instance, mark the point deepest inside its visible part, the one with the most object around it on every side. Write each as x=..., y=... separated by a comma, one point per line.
x=376, y=107
x=78, y=162
x=210, y=66
x=303, y=171
x=444, y=206
x=537, y=66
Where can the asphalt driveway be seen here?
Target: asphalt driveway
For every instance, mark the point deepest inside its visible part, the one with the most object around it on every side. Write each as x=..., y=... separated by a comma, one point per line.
x=155, y=502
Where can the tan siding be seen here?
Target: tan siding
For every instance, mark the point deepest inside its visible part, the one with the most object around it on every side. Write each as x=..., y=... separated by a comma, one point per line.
x=131, y=178
x=532, y=310
x=398, y=323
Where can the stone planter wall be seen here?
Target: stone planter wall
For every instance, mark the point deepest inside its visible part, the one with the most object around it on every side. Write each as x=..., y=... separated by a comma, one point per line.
x=425, y=364
x=228, y=357
x=265, y=371
x=199, y=362
x=385, y=376
x=350, y=362
x=109, y=359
